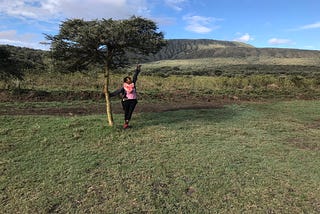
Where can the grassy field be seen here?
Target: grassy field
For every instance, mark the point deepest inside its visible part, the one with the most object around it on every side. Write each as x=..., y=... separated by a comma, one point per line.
x=152, y=86
x=248, y=158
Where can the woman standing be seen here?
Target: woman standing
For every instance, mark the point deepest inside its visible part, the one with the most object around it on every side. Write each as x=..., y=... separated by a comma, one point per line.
x=129, y=96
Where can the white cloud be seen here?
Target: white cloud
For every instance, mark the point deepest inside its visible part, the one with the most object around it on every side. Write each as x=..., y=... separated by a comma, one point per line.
x=25, y=9
x=244, y=38
x=277, y=41
x=25, y=40
x=200, y=24
x=92, y=9
x=86, y=9
x=165, y=21
x=311, y=26
x=175, y=4
x=315, y=25
x=42, y=15
x=12, y=35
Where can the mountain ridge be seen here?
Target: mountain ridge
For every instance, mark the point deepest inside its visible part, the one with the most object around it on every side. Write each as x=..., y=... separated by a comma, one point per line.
x=207, y=48
x=192, y=49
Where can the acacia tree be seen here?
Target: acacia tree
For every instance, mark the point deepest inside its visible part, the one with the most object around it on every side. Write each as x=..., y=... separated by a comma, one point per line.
x=107, y=42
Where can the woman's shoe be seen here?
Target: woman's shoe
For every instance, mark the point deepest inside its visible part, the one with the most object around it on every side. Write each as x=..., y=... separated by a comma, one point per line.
x=126, y=125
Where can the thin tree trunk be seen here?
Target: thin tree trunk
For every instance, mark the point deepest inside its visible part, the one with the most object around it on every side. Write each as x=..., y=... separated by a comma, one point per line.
x=106, y=93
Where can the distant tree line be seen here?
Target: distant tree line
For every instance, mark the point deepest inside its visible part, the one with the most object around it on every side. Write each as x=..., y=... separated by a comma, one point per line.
x=15, y=61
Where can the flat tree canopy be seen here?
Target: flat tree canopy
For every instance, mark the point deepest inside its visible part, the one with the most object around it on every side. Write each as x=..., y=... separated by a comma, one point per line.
x=81, y=44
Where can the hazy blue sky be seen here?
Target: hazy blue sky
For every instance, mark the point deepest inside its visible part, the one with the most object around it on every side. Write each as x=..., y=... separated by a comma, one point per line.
x=261, y=23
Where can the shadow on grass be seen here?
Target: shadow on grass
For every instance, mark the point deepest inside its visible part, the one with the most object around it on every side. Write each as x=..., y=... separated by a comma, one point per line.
x=200, y=116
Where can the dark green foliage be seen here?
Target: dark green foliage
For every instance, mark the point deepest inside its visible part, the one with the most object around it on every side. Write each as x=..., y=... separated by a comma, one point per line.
x=218, y=72
x=81, y=44
x=9, y=67
x=16, y=61
x=298, y=81
x=240, y=70
x=251, y=69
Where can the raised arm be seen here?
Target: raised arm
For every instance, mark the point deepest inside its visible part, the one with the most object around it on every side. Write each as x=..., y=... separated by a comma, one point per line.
x=136, y=73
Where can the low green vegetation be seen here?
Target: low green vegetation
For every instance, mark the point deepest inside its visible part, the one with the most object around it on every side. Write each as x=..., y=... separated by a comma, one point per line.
x=248, y=158
x=151, y=86
x=290, y=74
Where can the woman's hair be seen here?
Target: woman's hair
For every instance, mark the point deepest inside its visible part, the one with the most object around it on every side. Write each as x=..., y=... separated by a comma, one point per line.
x=126, y=79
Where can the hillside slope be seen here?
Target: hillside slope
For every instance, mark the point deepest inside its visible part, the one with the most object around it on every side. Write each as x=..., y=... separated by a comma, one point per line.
x=205, y=56
x=206, y=48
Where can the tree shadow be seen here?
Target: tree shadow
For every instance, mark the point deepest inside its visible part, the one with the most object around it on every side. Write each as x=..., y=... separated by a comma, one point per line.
x=205, y=116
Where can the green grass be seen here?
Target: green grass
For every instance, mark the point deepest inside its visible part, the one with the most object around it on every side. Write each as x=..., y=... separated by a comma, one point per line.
x=63, y=87
x=47, y=104
x=249, y=158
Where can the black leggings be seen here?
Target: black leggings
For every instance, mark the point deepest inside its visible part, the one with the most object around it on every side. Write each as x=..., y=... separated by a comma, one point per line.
x=128, y=107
